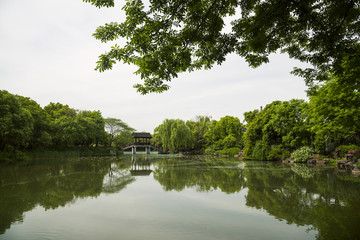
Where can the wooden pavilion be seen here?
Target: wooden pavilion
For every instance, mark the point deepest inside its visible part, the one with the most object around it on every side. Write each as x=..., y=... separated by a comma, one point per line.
x=142, y=138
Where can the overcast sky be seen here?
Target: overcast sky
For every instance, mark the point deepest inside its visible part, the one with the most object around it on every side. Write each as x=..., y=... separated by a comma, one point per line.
x=47, y=53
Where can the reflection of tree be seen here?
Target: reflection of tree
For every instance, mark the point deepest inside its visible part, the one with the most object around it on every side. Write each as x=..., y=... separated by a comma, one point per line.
x=204, y=175
x=117, y=178
x=325, y=201
x=54, y=185
x=303, y=170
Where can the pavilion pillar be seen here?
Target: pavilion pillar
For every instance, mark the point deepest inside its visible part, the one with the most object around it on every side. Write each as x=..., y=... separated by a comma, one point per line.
x=147, y=150
x=134, y=150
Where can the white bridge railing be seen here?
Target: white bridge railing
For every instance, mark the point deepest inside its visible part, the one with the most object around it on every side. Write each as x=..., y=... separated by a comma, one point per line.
x=134, y=146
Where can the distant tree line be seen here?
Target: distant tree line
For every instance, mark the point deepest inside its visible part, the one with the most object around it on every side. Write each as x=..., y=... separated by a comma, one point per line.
x=329, y=122
x=200, y=135
x=25, y=126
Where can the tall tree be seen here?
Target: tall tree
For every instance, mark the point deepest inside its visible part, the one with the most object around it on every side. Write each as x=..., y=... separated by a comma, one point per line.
x=114, y=126
x=226, y=133
x=93, y=124
x=123, y=139
x=335, y=113
x=199, y=126
x=16, y=123
x=57, y=110
x=41, y=133
x=290, y=122
x=64, y=130
x=165, y=38
x=173, y=135
x=280, y=126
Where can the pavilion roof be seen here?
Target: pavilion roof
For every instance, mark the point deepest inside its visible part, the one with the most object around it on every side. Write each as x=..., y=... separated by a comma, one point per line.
x=142, y=135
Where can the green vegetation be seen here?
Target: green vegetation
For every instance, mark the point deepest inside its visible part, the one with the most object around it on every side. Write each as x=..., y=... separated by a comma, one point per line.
x=173, y=135
x=328, y=123
x=280, y=130
x=115, y=127
x=27, y=128
x=200, y=135
x=320, y=200
x=164, y=38
x=230, y=151
x=344, y=149
x=280, y=126
x=226, y=133
x=302, y=154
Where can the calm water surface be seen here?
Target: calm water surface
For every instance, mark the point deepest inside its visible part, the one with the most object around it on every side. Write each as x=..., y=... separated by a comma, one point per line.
x=176, y=198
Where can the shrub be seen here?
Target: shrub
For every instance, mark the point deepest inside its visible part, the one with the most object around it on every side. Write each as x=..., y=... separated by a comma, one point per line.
x=260, y=151
x=230, y=151
x=302, y=154
x=210, y=150
x=277, y=152
x=344, y=149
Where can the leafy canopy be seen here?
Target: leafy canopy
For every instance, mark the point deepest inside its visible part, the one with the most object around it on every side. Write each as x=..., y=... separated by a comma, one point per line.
x=334, y=113
x=173, y=135
x=165, y=38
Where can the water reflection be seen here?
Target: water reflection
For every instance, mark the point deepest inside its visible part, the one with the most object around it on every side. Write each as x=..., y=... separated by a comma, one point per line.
x=52, y=185
x=203, y=174
x=328, y=202
x=140, y=166
x=319, y=199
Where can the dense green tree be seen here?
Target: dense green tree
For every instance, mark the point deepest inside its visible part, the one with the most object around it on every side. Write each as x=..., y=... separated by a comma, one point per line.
x=250, y=116
x=226, y=133
x=16, y=123
x=65, y=131
x=173, y=135
x=255, y=128
x=93, y=124
x=75, y=128
x=335, y=113
x=25, y=126
x=290, y=121
x=40, y=136
x=199, y=126
x=281, y=125
x=165, y=38
x=57, y=110
x=123, y=139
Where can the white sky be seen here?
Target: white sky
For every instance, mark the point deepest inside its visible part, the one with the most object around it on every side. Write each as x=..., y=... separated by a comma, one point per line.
x=47, y=53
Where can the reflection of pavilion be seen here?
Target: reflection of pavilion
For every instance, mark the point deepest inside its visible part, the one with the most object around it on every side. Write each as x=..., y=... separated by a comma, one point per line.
x=117, y=179
x=140, y=168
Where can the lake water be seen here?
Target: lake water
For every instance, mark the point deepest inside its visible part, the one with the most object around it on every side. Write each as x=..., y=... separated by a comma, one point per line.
x=164, y=197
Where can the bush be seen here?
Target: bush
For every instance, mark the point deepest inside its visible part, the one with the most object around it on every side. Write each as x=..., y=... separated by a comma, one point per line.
x=345, y=149
x=302, y=154
x=230, y=151
x=260, y=151
x=277, y=152
x=209, y=150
